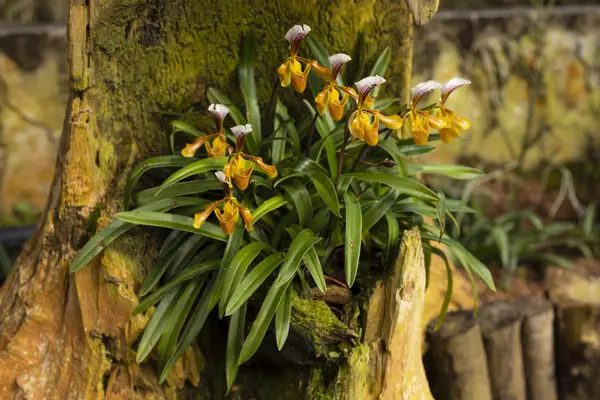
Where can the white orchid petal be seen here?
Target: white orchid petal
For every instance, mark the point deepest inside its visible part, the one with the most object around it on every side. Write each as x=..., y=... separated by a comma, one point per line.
x=219, y=110
x=425, y=87
x=297, y=32
x=241, y=130
x=221, y=176
x=368, y=83
x=339, y=59
x=454, y=83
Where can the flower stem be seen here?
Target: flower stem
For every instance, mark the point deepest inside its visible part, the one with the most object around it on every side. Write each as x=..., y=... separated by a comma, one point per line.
x=363, y=151
x=312, y=133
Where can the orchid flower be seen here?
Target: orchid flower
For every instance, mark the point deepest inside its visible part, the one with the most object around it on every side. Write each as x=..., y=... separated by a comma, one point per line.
x=229, y=216
x=360, y=123
x=219, y=144
x=330, y=95
x=241, y=165
x=290, y=72
x=453, y=124
x=420, y=120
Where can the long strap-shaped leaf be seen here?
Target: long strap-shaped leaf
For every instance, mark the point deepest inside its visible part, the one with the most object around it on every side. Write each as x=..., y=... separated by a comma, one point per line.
x=172, y=221
x=233, y=245
x=375, y=212
x=235, y=340
x=177, y=189
x=324, y=187
x=301, y=199
x=405, y=185
x=185, y=275
x=145, y=166
x=195, y=168
x=252, y=282
x=155, y=326
x=191, y=331
x=237, y=269
x=311, y=260
x=298, y=249
x=263, y=320
x=267, y=206
x=248, y=86
x=283, y=316
x=353, y=237
x=100, y=240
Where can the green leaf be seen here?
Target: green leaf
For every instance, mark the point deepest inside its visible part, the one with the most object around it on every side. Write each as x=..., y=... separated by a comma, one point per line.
x=172, y=221
x=191, y=331
x=177, y=316
x=233, y=245
x=236, y=271
x=235, y=340
x=330, y=151
x=413, y=150
x=248, y=86
x=393, y=236
x=175, y=258
x=283, y=316
x=406, y=186
x=324, y=187
x=178, y=189
x=449, y=170
x=269, y=205
x=263, y=320
x=441, y=212
x=217, y=97
x=588, y=220
x=280, y=131
x=180, y=126
x=555, y=260
x=374, y=213
x=147, y=165
x=312, y=262
x=353, y=237
x=252, y=282
x=449, y=286
x=502, y=242
x=195, y=168
x=301, y=199
x=303, y=242
x=380, y=67
x=185, y=275
x=174, y=238
x=393, y=150
x=306, y=164
x=156, y=326
x=100, y=240
x=282, y=113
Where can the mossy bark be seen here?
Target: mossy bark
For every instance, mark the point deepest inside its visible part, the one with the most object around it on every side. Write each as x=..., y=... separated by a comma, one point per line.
x=71, y=336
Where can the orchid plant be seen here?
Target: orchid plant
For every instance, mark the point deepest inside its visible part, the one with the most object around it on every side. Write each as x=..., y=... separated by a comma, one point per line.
x=300, y=214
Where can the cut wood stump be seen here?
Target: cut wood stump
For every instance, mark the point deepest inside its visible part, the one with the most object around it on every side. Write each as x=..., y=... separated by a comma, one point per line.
x=458, y=354
x=576, y=295
x=537, y=340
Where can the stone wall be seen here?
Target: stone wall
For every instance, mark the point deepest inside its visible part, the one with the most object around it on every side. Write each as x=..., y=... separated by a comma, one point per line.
x=531, y=72
x=33, y=96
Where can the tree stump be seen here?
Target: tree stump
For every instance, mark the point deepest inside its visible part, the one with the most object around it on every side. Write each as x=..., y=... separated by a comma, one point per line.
x=459, y=359
x=576, y=296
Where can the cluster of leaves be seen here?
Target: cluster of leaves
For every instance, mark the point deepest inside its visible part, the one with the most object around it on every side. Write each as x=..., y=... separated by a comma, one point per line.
x=522, y=237
x=326, y=197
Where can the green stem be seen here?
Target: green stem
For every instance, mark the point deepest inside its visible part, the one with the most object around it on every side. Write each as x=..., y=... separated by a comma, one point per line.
x=363, y=151
x=341, y=158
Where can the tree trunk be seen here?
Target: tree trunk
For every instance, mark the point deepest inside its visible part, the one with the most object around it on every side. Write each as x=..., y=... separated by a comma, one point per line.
x=71, y=336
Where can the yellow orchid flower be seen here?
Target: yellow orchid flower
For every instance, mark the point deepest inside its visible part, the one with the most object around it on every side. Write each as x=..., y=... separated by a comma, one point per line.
x=241, y=165
x=290, y=72
x=329, y=97
x=360, y=124
x=227, y=217
x=422, y=121
x=452, y=124
x=219, y=145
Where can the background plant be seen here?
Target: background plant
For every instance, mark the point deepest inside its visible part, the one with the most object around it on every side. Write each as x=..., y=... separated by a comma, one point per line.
x=330, y=196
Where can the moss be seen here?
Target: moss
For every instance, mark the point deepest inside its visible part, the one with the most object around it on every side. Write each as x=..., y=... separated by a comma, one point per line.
x=353, y=377
x=322, y=329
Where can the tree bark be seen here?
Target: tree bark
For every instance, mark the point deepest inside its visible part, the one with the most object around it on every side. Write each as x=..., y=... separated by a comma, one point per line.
x=71, y=336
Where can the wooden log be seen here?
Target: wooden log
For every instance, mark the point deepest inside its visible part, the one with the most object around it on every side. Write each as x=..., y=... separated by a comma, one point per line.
x=576, y=295
x=459, y=358
x=501, y=329
x=537, y=340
